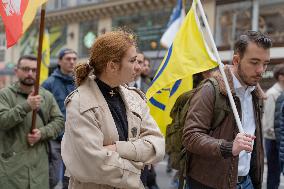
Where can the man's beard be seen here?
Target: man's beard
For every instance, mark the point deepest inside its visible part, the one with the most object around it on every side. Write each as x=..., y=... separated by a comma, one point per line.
x=244, y=77
x=27, y=81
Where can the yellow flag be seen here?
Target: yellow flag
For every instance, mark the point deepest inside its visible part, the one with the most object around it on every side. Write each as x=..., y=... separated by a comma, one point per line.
x=162, y=102
x=30, y=12
x=45, y=57
x=188, y=55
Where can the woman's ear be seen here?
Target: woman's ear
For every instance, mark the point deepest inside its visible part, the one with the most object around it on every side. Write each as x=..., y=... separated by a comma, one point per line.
x=111, y=67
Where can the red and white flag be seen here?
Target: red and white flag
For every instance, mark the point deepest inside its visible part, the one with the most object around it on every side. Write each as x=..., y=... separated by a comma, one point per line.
x=17, y=16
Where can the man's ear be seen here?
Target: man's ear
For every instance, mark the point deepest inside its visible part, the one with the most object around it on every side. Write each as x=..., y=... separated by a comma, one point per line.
x=236, y=59
x=59, y=62
x=16, y=70
x=281, y=77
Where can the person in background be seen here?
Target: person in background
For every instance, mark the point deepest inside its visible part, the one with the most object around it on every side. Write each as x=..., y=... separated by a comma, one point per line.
x=137, y=80
x=61, y=83
x=279, y=128
x=109, y=133
x=148, y=175
x=24, y=153
x=221, y=157
x=145, y=75
x=145, y=82
x=271, y=147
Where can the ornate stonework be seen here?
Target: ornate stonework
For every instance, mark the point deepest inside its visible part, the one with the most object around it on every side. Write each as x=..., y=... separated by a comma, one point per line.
x=107, y=9
x=91, y=11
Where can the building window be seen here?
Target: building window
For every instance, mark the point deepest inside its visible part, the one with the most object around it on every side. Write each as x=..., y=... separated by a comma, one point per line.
x=271, y=19
x=2, y=41
x=80, y=2
x=2, y=55
x=88, y=35
x=56, y=4
x=148, y=26
x=231, y=21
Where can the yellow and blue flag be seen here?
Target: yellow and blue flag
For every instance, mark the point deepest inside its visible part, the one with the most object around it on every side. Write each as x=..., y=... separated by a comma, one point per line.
x=45, y=57
x=187, y=55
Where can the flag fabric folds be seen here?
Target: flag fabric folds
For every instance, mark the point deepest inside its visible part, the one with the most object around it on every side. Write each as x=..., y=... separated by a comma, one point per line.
x=161, y=103
x=173, y=25
x=188, y=55
x=17, y=16
x=45, y=57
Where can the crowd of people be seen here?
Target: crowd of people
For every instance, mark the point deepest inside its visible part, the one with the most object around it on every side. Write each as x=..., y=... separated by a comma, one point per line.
x=94, y=128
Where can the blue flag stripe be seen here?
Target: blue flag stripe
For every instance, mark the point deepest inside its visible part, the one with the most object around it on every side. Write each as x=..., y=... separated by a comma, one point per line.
x=157, y=104
x=175, y=87
x=164, y=65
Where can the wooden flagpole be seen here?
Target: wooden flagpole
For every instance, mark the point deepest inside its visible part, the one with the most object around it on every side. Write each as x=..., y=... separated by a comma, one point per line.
x=39, y=57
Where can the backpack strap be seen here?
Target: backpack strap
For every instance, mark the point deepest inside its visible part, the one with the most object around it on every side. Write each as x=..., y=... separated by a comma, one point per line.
x=181, y=183
x=221, y=106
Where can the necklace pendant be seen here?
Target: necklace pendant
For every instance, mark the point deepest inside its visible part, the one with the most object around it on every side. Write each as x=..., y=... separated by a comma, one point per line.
x=111, y=93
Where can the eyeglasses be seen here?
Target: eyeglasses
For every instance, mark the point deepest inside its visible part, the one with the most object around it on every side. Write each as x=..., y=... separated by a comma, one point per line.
x=28, y=69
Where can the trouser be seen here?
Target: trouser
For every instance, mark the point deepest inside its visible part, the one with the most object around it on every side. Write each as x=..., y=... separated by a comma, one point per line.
x=193, y=184
x=273, y=164
x=54, y=163
x=65, y=182
x=148, y=177
x=151, y=178
x=144, y=174
x=245, y=184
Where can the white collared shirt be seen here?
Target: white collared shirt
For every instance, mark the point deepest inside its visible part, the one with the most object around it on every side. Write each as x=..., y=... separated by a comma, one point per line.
x=248, y=121
x=136, y=83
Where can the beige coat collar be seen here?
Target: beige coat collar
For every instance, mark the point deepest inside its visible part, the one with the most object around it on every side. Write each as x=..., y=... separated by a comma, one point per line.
x=89, y=91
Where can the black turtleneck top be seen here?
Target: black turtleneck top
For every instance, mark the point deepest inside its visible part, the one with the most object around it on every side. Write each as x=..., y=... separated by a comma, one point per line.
x=118, y=112
x=117, y=108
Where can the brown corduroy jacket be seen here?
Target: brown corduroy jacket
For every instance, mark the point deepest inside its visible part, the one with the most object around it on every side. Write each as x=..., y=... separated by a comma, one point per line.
x=210, y=150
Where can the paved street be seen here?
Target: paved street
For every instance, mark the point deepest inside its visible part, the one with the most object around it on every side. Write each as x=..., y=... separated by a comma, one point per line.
x=164, y=179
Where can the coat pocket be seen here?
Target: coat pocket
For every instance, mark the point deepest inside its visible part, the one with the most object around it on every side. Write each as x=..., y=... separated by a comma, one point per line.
x=14, y=165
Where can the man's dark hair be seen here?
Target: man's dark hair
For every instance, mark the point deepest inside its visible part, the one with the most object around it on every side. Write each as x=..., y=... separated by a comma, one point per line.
x=278, y=70
x=197, y=78
x=262, y=40
x=26, y=57
x=65, y=51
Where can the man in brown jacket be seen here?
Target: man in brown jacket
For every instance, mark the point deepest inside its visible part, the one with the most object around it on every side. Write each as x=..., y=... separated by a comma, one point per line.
x=221, y=157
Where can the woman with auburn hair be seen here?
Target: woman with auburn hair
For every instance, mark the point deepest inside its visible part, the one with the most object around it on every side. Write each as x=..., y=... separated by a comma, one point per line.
x=109, y=133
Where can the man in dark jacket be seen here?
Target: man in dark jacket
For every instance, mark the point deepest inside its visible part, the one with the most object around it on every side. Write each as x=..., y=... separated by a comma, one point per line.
x=269, y=119
x=277, y=120
x=279, y=128
x=221, y=157
x=24, y=155
x=61, y=84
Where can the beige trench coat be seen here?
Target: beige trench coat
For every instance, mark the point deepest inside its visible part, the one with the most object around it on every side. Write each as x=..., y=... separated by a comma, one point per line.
x=90, y=126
